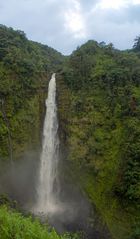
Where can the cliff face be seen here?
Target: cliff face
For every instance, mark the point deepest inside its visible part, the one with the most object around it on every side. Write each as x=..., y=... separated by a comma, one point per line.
x=25, y=68
x=99, y=107
x=21, y=130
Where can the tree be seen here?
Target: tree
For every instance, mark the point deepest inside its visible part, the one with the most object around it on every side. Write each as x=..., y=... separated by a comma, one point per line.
x=136, y=45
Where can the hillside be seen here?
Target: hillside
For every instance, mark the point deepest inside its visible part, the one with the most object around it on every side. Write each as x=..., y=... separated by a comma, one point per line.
x=99, y=110
x=101, y=127
x=25, y=68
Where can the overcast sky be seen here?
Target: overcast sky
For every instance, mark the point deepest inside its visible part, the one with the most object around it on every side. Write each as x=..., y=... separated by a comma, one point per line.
x=66, y=24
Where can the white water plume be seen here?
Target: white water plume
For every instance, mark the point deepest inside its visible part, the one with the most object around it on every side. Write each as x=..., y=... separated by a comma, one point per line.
x=48, y=186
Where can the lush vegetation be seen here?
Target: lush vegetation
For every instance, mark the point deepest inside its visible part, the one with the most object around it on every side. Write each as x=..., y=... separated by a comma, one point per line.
x=99, y=112
x=103, y=130
x=14, y=225
x=24, y=70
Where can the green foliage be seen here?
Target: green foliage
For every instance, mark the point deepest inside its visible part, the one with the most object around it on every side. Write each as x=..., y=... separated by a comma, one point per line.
x=25, y=67
x=68, y=235
x=135, y=234
x=106, y=88
x=22, y=62
x=129, y=186
x=136, y=46
x=99, y=111
x=14, y=225
x=103, y=130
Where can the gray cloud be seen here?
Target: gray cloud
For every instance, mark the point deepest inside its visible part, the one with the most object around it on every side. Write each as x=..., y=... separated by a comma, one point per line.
x=65, y=24
x=130, y=14
x=133, y=14
x=88, y=4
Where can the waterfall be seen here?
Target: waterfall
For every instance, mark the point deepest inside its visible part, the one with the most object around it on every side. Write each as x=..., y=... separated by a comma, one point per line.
x=48, y=186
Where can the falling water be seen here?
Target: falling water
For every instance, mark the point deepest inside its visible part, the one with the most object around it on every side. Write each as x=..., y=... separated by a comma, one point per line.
x=47, y=191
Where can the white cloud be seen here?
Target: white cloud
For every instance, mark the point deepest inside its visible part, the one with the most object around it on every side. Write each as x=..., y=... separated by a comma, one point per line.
x=116, y=4
x=74, y=21
x=136, y=2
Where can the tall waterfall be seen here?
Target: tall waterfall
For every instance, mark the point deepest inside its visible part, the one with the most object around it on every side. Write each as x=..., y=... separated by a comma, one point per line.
x=48, y=185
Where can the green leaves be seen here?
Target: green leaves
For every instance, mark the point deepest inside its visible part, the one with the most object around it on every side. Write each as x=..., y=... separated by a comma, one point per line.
x=136, y=46
x=103, y=129
x=24, y=72
x=14, y=226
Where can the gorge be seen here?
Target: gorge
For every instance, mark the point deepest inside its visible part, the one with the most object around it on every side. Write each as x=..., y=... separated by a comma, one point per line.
x=98, y=110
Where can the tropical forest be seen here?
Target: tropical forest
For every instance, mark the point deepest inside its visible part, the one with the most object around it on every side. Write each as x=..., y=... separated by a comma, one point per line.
x=69, y=140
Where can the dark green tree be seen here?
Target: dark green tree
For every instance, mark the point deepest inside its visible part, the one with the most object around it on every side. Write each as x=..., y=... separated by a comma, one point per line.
x=136, y=45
